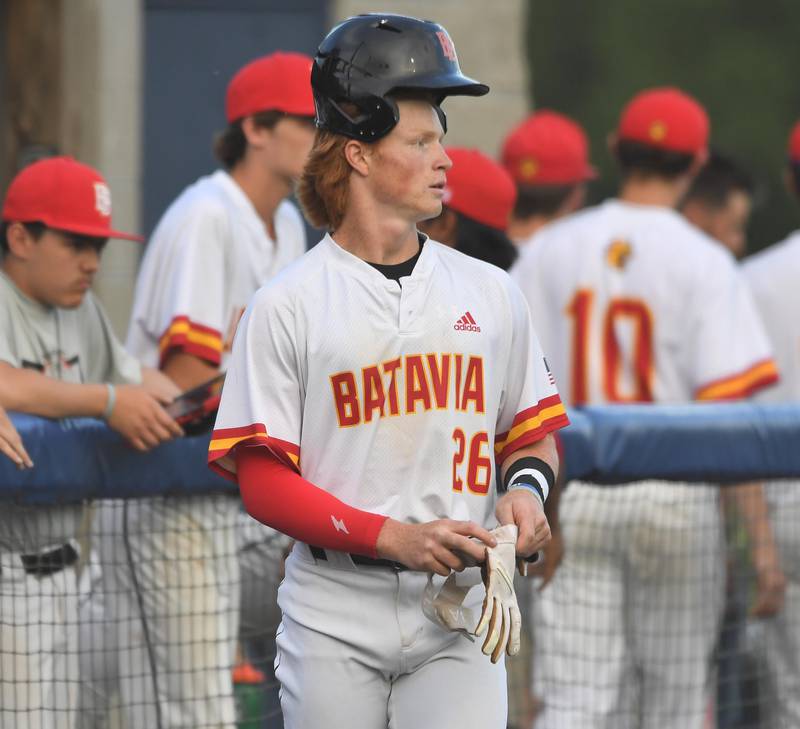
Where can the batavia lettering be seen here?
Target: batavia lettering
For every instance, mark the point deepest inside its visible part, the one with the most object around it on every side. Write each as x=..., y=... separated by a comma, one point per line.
x=407, y=385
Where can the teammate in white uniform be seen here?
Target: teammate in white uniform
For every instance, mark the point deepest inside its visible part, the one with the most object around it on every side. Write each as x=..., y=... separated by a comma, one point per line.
x=176, y=606
x=58, y=358
x=720, y=201
x=773, y=275
x=547, y=154
x=633, y=304
x=371, y=395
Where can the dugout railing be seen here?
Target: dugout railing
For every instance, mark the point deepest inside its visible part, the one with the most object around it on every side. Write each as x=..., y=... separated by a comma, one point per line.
x=84, y=469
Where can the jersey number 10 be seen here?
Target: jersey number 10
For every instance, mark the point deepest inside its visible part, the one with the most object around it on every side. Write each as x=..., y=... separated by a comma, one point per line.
x=618, y=311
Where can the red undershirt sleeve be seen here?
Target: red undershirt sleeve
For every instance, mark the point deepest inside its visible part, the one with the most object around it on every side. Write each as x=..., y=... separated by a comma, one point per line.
x=279, y=497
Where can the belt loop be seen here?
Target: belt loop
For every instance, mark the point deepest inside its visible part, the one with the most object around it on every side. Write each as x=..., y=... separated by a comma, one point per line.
x=317, y=553
x=340, y=559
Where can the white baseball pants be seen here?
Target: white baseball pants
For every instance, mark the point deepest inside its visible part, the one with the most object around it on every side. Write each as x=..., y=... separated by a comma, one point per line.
x=355, y=650
x=625, y=632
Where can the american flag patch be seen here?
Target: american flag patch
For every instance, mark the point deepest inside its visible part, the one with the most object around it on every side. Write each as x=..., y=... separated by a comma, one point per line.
x=549, y=373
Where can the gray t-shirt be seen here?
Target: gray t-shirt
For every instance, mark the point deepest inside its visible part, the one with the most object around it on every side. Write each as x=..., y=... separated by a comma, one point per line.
x=73, y=345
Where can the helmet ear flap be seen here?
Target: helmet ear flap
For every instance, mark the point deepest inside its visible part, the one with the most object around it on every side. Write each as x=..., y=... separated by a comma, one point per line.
x=367, y=117
x=442, y=116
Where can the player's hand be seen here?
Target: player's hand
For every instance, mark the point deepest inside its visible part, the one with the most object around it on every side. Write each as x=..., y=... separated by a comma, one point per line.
x=500, y=616
x=551, y=559
x=11, y=443
x=161, y=387
x=770, y=589
x=522, y=508
x=438, y=546
x=140, y=419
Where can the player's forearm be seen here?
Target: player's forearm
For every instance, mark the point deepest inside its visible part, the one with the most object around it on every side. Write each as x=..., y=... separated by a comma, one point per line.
x=159, y=385
x=551, y=506
x=279, y=497
x=31, y=392
x=751, y=504
x=188, y=371
x=544, y=449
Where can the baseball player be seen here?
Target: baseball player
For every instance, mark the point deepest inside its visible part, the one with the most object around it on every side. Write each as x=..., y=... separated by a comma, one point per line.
x=477, y=204
x=547, y=155
x=719, y=202
x=773, y=275
x=58, y=358
x=634, y=304
x=368, y=385
x=476, y=207
x=176, y=604
x=11, y=444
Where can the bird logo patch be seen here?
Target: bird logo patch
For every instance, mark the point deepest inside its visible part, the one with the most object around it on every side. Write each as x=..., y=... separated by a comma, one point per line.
x=618, y=253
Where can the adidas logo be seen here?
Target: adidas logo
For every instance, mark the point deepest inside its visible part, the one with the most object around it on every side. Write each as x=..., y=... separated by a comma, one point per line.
x=466, y=324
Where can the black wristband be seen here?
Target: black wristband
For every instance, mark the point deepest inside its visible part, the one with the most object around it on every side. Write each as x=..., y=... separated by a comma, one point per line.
x=529, y=472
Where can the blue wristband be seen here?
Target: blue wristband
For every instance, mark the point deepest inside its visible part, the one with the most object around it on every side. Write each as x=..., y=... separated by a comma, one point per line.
x=112, y=400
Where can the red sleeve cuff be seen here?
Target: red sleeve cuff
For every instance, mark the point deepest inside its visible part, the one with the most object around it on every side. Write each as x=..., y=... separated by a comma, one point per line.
x=185, y=335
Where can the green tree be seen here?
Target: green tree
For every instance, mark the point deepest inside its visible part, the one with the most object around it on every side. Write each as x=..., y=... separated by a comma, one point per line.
x=738, y=57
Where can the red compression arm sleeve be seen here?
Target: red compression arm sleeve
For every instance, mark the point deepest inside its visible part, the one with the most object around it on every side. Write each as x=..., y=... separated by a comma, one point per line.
x=279, y=497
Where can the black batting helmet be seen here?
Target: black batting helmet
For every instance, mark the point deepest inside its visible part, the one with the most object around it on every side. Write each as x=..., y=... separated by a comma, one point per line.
x=367, y=58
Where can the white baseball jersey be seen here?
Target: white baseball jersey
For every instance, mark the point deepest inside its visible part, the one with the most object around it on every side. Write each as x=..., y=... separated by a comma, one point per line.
x=395, y=399
x=208, y=255
x=773, y=276
x=634, y=304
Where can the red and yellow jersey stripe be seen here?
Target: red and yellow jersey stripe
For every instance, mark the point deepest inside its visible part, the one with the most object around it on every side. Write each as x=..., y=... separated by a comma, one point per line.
x=531, y=425
x=224, y=440
x=742, y=384
x=185, y=335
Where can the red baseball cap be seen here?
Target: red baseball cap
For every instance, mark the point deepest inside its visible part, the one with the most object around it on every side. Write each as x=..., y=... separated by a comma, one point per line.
x=64, y=194
x=280, y=81
x=794, y=144
x=547, y=148
x=479, y=188
x=666, y=118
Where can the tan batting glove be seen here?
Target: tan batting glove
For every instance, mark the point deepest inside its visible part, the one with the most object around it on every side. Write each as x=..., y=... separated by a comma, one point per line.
x=445, y=606
x=500, y=618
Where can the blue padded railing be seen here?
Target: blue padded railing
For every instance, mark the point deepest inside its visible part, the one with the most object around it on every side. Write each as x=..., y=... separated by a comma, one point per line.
x=727, y=443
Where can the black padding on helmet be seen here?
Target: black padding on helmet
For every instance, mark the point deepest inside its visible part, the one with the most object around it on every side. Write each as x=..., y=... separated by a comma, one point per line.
x=366, y=59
